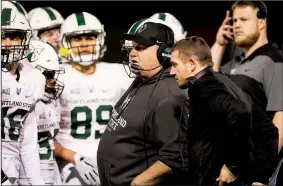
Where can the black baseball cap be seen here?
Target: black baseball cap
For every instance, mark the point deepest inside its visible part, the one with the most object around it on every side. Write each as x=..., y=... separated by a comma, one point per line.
x=150, y=34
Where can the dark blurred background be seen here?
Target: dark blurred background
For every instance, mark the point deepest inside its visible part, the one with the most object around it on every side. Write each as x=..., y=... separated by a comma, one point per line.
x=200, y=18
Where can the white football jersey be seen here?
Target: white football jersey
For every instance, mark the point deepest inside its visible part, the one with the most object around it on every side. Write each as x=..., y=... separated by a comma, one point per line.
x=86, y=104
x=48, y=118
x=19, y=128
x=18, y=99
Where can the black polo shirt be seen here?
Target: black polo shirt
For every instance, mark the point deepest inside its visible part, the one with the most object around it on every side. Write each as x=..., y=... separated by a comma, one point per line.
x=265, y=65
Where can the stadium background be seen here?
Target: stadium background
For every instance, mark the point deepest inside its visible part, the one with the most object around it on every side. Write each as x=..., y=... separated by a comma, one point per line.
x=198, y=17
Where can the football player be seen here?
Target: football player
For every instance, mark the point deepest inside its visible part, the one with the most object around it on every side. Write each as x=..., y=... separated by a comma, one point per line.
x=22, y=87
x=45, y=23
x=174, y=23
x=44, y=57
x=91, y=89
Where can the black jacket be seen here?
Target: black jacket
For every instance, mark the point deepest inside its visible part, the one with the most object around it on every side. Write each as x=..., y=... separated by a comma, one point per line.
x=219, y=126
x=264, y=136
x=147, y=124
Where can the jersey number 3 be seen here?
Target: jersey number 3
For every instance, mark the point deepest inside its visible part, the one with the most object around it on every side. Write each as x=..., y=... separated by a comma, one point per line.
x=86, y=123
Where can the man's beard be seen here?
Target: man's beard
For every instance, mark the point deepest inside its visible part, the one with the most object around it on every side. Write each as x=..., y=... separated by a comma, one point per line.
x=248, y=41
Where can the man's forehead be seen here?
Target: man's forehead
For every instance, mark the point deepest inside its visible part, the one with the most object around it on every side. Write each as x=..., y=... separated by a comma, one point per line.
x=175, y=53
x=52, y=30
x=244, y=11
x=80, y=35
x=174, y=56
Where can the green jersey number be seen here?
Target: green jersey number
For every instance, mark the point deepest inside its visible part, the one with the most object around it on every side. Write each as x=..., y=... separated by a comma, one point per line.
x=46, y=143
x=86, y=123
x=13, y=125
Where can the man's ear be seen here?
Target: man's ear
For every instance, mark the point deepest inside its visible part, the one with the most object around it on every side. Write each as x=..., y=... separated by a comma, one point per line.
x=192, y=63
x=262, y=23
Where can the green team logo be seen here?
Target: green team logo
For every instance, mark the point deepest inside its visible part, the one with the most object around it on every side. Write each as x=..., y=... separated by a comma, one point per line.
x=35, y=53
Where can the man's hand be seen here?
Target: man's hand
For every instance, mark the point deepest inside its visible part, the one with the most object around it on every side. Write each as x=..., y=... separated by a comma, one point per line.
x=225, y=30
x=225, y=176
x=87, y=169
x=136, y=181
x=153, y=175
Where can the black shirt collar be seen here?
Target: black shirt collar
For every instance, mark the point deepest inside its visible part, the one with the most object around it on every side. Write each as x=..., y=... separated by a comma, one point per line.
x=257, y=52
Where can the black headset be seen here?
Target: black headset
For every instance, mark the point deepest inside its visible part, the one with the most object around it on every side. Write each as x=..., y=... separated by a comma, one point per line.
x=165, y=49
x=262, y=13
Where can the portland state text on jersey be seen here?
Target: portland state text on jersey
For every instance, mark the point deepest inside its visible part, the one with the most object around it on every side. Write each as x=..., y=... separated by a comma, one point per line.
x=16, y=104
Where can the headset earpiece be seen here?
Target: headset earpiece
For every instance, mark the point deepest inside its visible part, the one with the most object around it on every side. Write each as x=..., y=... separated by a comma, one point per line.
x=262, y=13
x=164, y=50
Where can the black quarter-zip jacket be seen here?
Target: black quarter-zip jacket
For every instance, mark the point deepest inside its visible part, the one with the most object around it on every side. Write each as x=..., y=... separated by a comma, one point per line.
x=147, y=124
x=226, y=126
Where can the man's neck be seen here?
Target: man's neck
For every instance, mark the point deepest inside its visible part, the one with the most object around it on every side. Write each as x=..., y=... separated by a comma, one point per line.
x=12, y=68
x=87, y=70
x=249, y=50
x=201, y=68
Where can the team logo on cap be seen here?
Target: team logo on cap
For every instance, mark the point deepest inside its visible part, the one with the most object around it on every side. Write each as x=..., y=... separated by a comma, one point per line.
x=142, y=28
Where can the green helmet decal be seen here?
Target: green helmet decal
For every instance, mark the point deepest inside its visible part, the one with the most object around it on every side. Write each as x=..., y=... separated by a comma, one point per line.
x=18, y=6
x=135, y=26
x=6, y=17
x=80, y=19
x=162, y=16
x=50, y=13
x=33, y=56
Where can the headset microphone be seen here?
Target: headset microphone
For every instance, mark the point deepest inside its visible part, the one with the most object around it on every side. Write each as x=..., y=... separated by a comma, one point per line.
x=137, y=67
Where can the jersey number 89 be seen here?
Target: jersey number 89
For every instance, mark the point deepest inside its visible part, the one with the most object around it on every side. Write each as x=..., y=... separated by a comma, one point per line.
x=87, y=122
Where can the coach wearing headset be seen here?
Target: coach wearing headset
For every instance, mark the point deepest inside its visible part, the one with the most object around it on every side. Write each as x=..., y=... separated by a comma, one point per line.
x=145, y=140
x=260, y=65
x=260, y=61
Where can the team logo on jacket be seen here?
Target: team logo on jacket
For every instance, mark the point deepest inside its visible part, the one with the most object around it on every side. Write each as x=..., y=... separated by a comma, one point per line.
x=126, y=102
